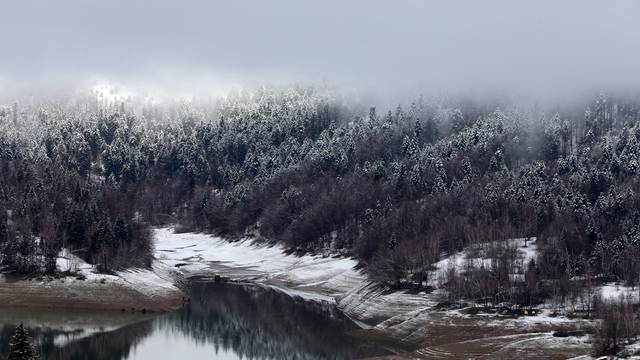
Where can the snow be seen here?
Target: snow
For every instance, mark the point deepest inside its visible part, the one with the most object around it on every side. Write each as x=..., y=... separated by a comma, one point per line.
x=473, y=256
x=68, y=335
x=308, y=276
x=154, y=282
x=374, y=304
x=631, y=351
x=614, y=292
x=323, y=278
x=195, y=254
x=543, y=318
x=401, y=314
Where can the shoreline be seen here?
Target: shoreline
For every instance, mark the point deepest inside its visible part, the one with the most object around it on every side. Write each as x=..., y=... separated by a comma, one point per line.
x=70, y=293
x=156, y=289
x=406, y=320
x=399, y=318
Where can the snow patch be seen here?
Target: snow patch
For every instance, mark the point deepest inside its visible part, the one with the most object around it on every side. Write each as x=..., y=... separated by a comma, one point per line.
x=615, y=292
x=155, y=282
x=308, y=276
x=474, y=257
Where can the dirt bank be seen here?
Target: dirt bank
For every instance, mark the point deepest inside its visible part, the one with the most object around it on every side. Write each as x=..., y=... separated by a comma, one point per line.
x=451, y=337
x=83, y=294
x=152, y=289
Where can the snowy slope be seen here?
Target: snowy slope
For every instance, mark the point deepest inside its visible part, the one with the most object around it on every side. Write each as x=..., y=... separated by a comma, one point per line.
x=616, y=292
x=315, y=277
x=152, y=283
x=527, y=250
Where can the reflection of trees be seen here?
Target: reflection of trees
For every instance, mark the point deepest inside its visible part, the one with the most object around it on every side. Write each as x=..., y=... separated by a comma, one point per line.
x=258, y=323
x=253, y=322
x=114, y=345
x=5, y=335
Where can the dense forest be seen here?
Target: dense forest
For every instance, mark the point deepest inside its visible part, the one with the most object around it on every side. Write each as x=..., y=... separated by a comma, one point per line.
x=396, y=189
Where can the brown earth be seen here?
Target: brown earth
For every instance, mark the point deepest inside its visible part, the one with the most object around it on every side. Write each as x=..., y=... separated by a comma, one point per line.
x=74, y=294
x=470, y=338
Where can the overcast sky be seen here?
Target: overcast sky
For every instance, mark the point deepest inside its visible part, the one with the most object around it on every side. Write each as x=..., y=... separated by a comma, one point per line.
x=386, y=47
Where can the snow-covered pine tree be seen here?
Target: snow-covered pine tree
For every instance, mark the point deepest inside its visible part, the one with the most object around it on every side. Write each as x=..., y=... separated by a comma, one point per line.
x=20, y=347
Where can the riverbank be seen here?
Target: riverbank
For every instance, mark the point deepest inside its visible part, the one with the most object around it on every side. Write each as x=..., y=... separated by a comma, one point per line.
x=415, y=323
x=74, y=294
x=313, y=277
x=138, y=290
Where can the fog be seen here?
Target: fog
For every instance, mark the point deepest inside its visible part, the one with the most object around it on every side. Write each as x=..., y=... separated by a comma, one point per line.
x=389, y=49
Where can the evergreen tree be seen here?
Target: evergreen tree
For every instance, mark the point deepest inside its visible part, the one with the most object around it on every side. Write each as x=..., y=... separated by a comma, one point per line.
x=50, y=257
x=121, y=231
x=20, y=347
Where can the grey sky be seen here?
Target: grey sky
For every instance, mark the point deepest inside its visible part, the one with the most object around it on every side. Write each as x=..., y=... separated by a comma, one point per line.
x=387, y=47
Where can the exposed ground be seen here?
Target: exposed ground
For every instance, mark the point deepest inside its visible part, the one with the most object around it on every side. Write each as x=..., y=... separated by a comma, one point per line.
x=65, y=293
x=135, y=289
x=473, y=338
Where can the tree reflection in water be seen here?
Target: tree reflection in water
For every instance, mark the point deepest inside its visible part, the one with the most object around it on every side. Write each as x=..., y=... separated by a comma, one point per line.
x=247, y=322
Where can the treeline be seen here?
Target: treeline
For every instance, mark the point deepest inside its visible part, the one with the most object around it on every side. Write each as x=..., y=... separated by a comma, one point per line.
x=395, y=189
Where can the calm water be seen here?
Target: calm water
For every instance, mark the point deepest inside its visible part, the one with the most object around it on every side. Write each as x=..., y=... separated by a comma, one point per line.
x=223, y=321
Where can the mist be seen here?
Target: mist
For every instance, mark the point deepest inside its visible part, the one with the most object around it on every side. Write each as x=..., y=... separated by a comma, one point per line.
x=387, y=50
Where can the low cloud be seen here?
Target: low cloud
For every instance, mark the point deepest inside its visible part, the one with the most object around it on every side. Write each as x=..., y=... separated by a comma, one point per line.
x=388, y=49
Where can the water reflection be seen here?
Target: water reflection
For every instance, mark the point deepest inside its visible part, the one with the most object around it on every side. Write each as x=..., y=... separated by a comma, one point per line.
x=222, y=321
x=77, y=334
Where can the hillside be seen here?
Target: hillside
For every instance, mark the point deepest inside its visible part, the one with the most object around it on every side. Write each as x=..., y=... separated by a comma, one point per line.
x=316, y=173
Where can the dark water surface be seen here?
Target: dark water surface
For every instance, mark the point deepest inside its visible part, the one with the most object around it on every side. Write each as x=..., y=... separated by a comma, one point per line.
x=223, y=321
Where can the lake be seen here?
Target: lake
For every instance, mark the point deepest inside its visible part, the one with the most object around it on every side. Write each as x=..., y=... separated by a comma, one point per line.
x=221, y=321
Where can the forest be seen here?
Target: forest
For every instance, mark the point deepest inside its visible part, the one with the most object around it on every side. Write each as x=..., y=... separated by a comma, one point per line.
x=397, y=189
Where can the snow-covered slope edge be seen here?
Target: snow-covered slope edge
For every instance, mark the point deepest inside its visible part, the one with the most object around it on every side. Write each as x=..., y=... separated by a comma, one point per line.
x=151, y=289
x=155, y=283
x=312, y=277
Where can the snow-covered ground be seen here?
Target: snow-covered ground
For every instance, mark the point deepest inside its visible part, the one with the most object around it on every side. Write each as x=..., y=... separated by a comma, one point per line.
x=314, y=277
x=475, y=256
x=154, y=282
x=320, y=277
x=628, y=352
x=615, y=292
